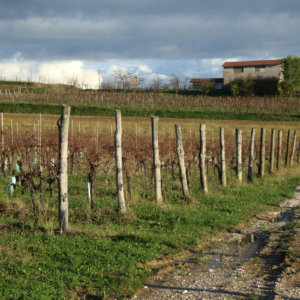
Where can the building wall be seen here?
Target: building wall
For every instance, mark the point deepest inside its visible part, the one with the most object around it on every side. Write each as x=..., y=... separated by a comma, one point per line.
x=269, y=71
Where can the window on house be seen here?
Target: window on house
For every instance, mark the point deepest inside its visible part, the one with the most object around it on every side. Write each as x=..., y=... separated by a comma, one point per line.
x=238, y=70
x=260, y=69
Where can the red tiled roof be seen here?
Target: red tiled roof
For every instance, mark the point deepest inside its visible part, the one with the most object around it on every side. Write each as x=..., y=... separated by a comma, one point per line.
x=197, y=80
x=252, y=63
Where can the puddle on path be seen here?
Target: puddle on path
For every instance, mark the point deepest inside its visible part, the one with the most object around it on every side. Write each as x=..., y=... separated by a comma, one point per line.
x=238, y=251
x=223, y=262
x=228, y=255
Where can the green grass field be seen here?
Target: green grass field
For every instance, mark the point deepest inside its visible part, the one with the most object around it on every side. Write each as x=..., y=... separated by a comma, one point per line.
x=26, y=108
x=33, y=98
x=105, y=254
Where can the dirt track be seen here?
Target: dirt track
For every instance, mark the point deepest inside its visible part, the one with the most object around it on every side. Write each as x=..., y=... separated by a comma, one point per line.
x=261, y=261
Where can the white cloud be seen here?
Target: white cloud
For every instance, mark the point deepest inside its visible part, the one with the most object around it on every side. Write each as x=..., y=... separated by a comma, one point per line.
x=11, y=70
x=15, y=68
x=149, y=78
x=51, y=72
x=62, y=71
x=206, y=68
x=144, y=69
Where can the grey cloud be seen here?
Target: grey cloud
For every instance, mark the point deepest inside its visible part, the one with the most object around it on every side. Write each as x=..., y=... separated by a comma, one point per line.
x=155, y=37
x=164, y=30
x=20, y=9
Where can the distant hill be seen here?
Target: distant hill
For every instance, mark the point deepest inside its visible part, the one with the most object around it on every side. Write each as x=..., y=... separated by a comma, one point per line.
x=34, y=86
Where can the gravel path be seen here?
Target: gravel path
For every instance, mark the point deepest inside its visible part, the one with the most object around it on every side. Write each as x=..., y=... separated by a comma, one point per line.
x=262, y=261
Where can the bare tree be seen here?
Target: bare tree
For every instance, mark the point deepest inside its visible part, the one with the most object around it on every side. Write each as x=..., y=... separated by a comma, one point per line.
x=157, y=82
x=73, y=81
x=175, y=82
x=136, y=80
x=127, y=80
x=123, y=79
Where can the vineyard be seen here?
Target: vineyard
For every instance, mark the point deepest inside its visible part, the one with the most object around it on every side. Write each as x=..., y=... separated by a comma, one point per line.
x=154, y=101
x=33, y=156
x=104, y=252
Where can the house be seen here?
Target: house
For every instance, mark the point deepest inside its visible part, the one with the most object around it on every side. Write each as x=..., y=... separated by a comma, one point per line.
x=196, y=82
x=256, y=69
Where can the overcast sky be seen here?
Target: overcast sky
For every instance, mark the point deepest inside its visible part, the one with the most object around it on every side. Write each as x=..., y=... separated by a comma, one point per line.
x=191, y=38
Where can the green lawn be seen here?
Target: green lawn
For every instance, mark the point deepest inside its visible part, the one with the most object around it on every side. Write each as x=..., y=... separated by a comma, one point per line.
x=163, y=112
x=104, y=253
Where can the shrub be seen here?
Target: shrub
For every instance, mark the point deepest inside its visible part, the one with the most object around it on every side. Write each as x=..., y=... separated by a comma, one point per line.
x=242, y=87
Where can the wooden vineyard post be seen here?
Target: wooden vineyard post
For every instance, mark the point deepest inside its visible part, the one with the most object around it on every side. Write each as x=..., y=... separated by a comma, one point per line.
x=156, y=161
x=2, y=133
x=203, y=177
x=287, y=148
x=169, y=144
x=78, y=136
x=279, y=149
x=63, y=127
x=136, y=133
x=97, y=137
x=251, y=156
x=223, y=165
x=40, y=141
x=2, y=147
x=72, y=152
x=239, y=154
x=293, y=148
x=12, y=142
x=182, y=170
x=262, y=152
x=272, y=151
x=34, y=135
x=11, y=131
x=37, y=148
x=119, y=167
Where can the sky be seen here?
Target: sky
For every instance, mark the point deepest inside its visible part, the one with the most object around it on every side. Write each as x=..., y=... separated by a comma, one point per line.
x=191, y=38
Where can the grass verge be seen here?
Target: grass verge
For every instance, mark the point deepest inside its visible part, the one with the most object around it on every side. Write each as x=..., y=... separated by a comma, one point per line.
x=105, y=254
x=28, y=108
